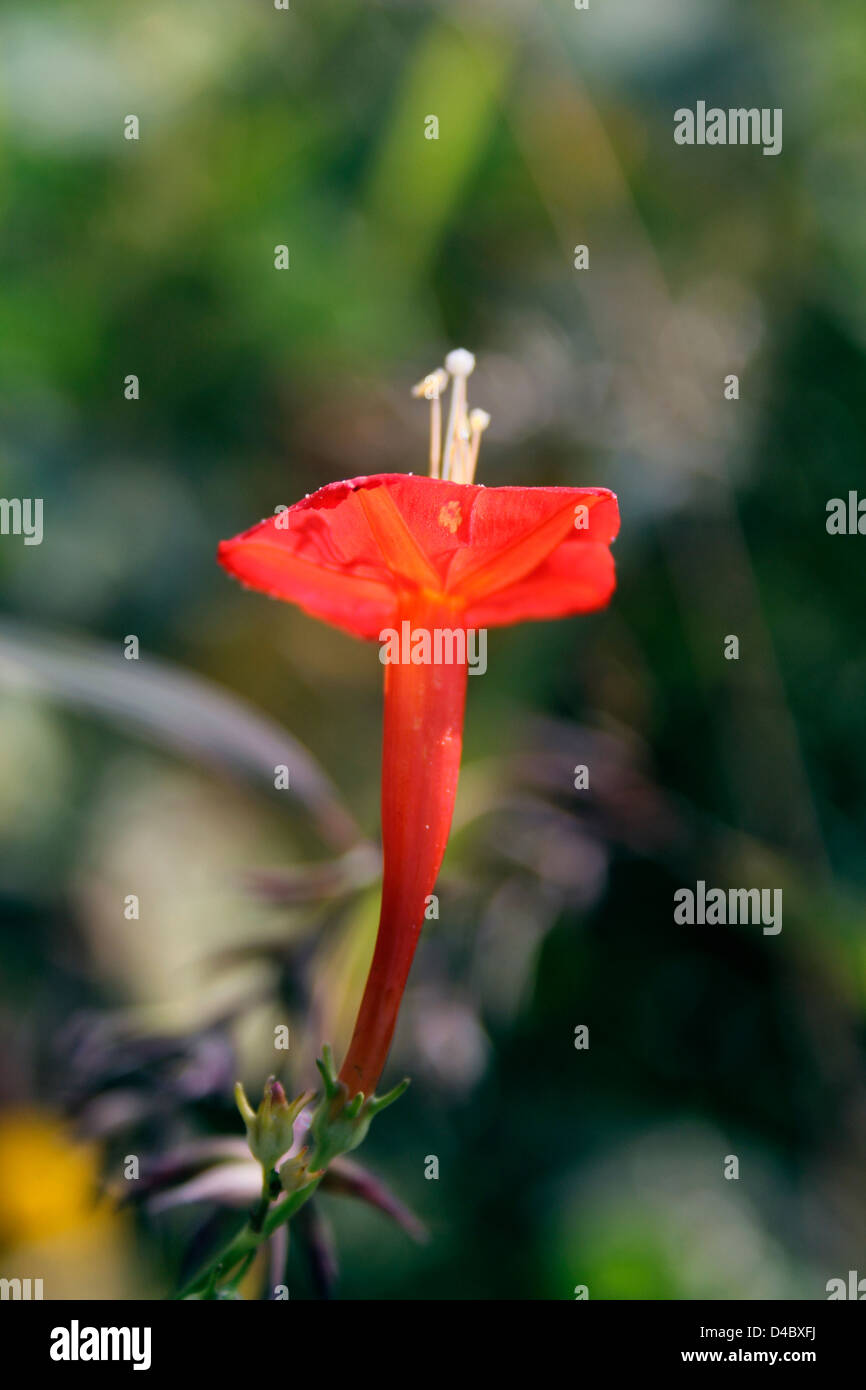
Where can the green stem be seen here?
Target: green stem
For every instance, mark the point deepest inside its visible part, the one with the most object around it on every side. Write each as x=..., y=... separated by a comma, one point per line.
x=259, y=1228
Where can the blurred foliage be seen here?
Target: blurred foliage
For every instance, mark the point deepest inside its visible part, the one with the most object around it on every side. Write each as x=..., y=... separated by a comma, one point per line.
x=306, y=127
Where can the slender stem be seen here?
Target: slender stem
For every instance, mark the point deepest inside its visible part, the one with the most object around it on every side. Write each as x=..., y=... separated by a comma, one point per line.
x=260, y=1210
x=241, y=1270
x=248, y=1240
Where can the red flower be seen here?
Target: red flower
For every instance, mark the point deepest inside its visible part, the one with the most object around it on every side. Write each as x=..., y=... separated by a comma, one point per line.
x=444, y=556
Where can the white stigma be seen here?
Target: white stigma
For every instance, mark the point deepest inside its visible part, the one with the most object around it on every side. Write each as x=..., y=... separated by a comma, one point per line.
x=460, y=362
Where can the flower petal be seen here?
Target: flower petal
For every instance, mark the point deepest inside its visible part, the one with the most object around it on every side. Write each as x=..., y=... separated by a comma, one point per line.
x=515, y=529
x=356, y=552
x=576, y=578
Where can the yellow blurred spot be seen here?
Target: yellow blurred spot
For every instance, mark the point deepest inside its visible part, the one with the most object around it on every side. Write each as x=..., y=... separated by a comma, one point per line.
x=48, y=1179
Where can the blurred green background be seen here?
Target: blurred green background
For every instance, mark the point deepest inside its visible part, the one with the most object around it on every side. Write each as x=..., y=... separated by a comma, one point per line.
x=259, y=127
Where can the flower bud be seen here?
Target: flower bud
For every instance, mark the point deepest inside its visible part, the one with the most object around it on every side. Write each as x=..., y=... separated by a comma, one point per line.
x=340, y=1123
x=295, y=1172
x=270, y=1129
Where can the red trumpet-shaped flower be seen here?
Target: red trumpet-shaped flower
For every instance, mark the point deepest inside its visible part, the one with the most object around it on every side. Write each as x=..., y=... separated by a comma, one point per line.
x=425, y=564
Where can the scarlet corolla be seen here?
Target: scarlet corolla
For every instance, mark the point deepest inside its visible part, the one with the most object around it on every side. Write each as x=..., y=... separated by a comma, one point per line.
x=444, y=555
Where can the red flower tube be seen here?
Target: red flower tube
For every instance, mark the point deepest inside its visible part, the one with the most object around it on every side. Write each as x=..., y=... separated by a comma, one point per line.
x=426, y=562
x=423, y=738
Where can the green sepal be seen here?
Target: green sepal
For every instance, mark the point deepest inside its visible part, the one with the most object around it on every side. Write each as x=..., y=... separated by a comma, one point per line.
x=340, y=1124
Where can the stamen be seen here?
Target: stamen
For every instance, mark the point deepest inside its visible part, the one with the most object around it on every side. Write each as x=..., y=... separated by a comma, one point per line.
x=431, y=389
x=458, y=461
x=460, y=454
x=478, y=422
